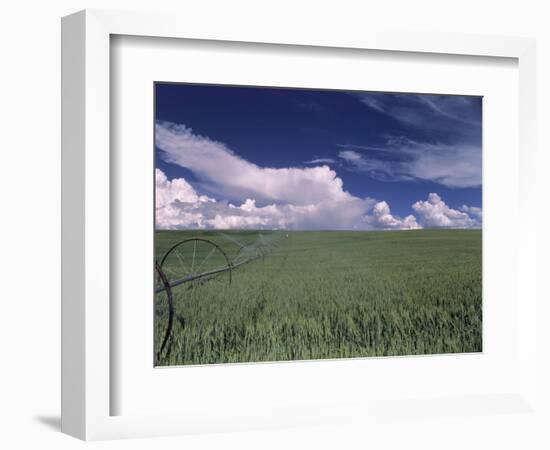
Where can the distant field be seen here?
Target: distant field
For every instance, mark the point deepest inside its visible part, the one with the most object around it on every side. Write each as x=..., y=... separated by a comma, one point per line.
x=329, y=294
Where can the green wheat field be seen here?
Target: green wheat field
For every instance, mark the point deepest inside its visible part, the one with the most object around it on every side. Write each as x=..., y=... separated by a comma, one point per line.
x=318, y=295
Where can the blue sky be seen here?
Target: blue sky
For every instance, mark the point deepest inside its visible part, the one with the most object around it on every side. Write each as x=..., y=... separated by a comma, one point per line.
x=367, y=157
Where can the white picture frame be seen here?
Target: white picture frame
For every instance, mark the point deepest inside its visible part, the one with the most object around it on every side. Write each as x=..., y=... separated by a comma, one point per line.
x=87, y=386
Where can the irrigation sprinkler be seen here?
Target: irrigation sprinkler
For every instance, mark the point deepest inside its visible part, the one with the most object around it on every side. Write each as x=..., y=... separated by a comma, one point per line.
x=195, y=261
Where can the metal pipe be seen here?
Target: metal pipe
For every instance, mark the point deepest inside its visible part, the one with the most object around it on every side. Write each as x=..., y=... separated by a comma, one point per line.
x=189, y=278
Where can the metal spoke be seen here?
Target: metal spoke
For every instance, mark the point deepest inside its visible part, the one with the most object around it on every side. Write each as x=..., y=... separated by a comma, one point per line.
x=206, y=259
x=194, y=253
x=181, y=261
x=170, y=270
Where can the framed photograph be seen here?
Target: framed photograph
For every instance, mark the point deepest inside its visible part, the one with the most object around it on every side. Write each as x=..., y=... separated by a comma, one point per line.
x=265, y=229
x=294, y=252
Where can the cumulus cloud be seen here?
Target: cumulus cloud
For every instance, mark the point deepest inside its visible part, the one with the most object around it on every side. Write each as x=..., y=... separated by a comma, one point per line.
x=382, y=218
x=176, y=190
x=179, y=206
x=404, y=160
x=435, y=213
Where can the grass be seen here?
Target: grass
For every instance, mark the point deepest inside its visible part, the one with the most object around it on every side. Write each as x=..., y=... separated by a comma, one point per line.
x=330, y=295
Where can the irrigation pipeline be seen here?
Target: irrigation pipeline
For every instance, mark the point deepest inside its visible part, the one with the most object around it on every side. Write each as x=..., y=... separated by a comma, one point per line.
x=184, y=254
x=232, y=265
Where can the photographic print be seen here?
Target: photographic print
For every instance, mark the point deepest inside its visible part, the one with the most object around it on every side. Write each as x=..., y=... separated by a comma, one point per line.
x=299, y=224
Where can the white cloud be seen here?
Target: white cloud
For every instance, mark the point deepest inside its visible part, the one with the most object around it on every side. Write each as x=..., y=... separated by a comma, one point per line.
x=382, y=218
x=449, y=165
x=225, y=173
x=453, y=107
x=424, y=110
x=473, y=211
x=176, y=190
x=179, y=207
x=351, y=156
x=434, y=212
x=177, y=204
x=321, y=161
x=455, y=162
